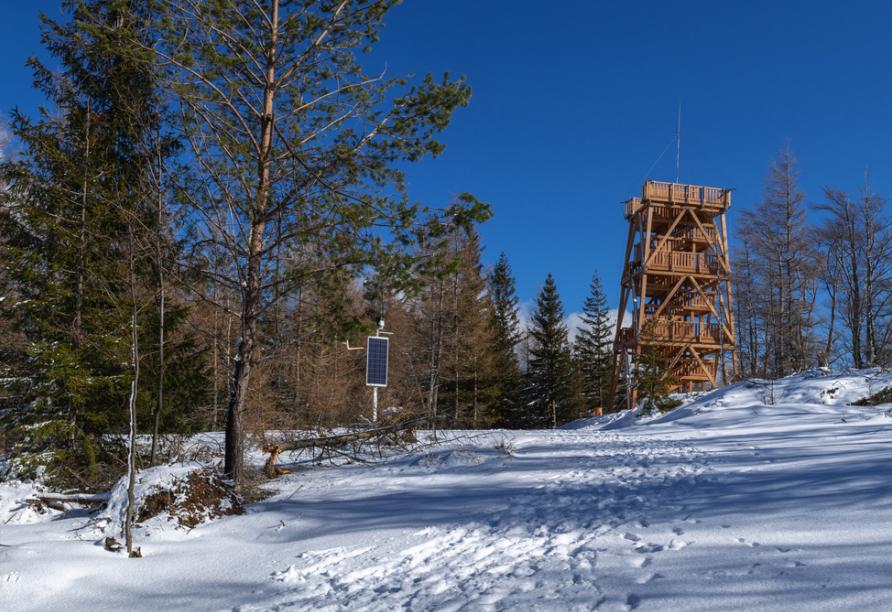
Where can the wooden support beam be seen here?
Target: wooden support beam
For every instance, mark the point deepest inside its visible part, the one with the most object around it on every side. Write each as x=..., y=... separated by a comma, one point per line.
x=663, y=239
x=730, y=312
x=624, y=291
x=703, y=366
x=718, y=254
x=669, y=297
x=674, y=361
x=711, y=307
x=643, y=296
x=623, y=300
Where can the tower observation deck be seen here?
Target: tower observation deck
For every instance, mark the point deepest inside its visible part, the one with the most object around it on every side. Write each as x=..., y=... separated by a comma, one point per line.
x=676, y=282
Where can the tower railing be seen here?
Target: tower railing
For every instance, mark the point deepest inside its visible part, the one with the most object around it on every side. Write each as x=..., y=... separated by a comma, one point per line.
x=679, y=193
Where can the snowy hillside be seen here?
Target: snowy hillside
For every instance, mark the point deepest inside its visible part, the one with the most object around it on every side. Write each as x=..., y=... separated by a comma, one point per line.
x=754, y=497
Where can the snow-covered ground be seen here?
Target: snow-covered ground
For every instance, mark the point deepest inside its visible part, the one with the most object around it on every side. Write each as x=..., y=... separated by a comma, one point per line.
x=731, y=502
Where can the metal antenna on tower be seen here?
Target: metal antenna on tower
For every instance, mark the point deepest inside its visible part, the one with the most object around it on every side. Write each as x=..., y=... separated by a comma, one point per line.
x=678, y=145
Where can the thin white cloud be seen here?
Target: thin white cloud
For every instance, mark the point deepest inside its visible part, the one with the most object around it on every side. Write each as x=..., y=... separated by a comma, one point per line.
x=524, y=313
x=573, y=320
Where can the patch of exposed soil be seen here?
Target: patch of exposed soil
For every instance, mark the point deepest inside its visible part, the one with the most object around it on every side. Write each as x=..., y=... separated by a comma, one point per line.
x=201, y=497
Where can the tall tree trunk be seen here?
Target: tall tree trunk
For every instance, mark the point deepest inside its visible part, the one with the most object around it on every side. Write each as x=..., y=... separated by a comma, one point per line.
x=456, y=346
x=870, y=239
x=159, y=254
x=436, y=352
x=81, y=267
x=134, y=386
x=476, y=403
x=831, y=286
x=215, y=349
x=251, y=293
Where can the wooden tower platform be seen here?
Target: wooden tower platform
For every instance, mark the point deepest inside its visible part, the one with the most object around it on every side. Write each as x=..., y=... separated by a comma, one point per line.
x=676, y=282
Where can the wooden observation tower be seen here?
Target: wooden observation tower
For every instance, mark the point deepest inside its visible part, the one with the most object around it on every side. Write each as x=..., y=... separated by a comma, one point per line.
x=676, y=282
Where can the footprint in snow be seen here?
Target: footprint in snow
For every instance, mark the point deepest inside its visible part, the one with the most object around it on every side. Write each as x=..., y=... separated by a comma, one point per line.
x=677, y=530
x=643, y=548
x=288, y=576
x=746, y=543
x=648, y=578
x=631, y=536
x=632, y=601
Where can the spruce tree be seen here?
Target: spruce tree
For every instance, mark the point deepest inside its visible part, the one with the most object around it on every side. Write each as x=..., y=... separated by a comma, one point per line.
x=76, y=203
x=593, y=346
x=505, y=307
x=650, y=374
x=553, y=393
x=65, y=231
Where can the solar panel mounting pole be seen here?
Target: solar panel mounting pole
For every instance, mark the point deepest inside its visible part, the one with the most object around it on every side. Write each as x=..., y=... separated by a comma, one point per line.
x=377, y=364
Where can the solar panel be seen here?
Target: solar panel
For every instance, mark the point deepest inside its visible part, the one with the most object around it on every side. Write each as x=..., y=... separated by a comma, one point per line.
x=376, y=361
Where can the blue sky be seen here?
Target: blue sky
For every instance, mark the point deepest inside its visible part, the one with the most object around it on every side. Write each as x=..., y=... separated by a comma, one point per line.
x=574, y=101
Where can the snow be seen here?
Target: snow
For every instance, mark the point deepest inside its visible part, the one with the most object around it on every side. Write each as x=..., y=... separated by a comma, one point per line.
x=13, y=509
x=757, y=496
x=160, y=478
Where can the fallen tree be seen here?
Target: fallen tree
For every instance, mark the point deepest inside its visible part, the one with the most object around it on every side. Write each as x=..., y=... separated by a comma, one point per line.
x=57, y=501
x=356, y=442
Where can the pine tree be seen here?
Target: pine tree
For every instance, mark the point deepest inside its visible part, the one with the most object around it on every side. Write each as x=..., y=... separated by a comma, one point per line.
x=553, y=393
x=297, y=146
x=593, y=346
x=505, y=308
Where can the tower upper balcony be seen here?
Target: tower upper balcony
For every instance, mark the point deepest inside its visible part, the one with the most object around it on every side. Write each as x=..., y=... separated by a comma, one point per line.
x=659, y=193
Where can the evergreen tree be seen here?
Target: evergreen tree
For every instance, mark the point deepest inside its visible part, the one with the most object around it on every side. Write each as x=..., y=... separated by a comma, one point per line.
x=64, y=231
x=469, y=381
x=650, y=375
x=553, y=393
x=508, y=336
x=77, y=203
x=593, y=346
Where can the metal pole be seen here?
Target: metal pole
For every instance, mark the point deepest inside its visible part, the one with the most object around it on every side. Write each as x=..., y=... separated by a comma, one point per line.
x=678, y=145
x=374, y=404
